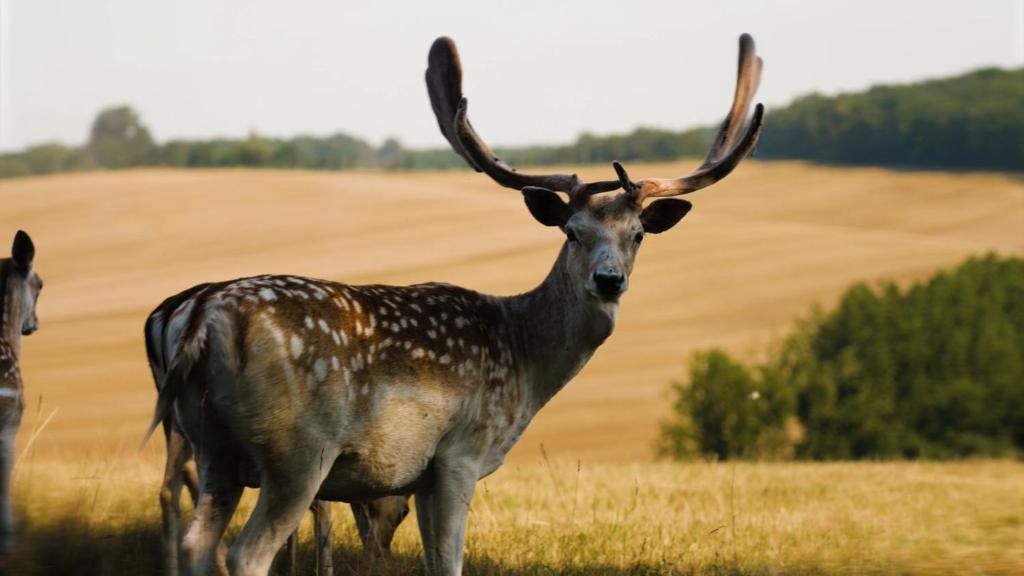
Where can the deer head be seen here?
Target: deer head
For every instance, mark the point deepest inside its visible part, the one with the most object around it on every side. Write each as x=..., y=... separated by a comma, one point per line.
x=20, y=287
x=603, y=233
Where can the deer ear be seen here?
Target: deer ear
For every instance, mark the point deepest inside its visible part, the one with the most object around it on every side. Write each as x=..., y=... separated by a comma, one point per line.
x=546, y=207
x=664, y=214
x=23, y=251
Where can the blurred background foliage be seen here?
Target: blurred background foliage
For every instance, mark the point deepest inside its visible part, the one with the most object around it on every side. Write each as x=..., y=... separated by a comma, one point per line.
x=932, y=371
x=973, y=121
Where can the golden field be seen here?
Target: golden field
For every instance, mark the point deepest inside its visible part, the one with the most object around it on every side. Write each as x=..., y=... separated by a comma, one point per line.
x=758, y=250
x=756, y=253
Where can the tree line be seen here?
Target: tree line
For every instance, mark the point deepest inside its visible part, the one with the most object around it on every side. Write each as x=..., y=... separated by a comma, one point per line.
x=932, y=371
x=971, y=121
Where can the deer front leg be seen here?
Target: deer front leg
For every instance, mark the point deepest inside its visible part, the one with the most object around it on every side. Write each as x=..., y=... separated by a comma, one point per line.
x=6, y=467
x=441, y=510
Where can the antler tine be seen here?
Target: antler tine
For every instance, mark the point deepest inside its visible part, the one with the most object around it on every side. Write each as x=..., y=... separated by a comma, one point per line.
x=748, y=77
x=728, y=148
x=627, y=185
x=444, y=85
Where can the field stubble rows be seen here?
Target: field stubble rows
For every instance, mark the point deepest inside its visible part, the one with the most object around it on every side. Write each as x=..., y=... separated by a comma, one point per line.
x=757, y=251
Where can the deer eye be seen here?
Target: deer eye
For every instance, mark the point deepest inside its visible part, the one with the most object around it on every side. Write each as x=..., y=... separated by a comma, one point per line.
x=638, y=238
x=571, y=236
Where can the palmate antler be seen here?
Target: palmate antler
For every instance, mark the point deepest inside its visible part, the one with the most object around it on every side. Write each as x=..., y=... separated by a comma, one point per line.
x=444, y=83
x=728, y=148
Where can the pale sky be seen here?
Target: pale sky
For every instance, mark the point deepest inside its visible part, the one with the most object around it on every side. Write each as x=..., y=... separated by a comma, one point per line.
x=534, y=71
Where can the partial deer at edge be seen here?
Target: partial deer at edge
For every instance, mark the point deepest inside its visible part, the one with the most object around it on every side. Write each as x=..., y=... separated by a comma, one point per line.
x=19, y=291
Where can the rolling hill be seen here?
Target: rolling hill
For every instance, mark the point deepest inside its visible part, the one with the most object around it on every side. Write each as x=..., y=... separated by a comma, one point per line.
x=757, y=251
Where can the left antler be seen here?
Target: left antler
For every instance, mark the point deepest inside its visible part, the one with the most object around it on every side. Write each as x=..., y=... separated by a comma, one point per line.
x=728, y=148
x=444, y=83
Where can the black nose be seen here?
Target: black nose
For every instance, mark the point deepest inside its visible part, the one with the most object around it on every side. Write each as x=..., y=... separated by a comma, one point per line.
x=609, y=283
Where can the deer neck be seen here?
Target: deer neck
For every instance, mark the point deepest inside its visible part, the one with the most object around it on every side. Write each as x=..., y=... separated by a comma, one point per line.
x=10, y=315
x=556, y=327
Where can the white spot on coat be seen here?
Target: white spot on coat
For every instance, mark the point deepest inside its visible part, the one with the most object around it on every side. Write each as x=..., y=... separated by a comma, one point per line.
x=320, y=369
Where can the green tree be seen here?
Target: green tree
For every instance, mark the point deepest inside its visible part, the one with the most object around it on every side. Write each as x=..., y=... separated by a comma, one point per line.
x=118, y=139
x=726, y=411
x=935, y=370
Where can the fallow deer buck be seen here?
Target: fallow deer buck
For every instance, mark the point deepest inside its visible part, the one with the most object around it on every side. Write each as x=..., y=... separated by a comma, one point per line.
x=375, y=520
x=19, y=291
x=356, y=392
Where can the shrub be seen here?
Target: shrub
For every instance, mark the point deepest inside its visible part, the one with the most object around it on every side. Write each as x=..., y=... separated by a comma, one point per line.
x=936, y=370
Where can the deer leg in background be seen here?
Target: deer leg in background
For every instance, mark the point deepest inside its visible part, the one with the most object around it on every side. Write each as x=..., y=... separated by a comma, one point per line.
x=323, y=519
x=377, y=520
x=291, y=553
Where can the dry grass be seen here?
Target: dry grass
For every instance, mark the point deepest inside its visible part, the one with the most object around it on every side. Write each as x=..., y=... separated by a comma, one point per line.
x=758, y=250
x=904, y=518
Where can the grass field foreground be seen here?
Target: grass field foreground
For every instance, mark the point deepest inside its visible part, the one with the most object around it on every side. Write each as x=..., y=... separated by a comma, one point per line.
x=101, y=517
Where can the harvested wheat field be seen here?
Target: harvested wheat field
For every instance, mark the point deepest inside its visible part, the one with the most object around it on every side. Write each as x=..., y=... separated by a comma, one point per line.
x=756, y=253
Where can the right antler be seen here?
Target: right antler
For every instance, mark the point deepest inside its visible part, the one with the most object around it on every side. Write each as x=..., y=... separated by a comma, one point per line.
x=444, y=83
x=728, y=148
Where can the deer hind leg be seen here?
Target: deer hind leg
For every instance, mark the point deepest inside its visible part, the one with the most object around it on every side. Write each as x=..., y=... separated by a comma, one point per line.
x=219, y=492
x=377, y=520
x=190, y=476
x=179, y=452
x=288, y=486
x=6, y=467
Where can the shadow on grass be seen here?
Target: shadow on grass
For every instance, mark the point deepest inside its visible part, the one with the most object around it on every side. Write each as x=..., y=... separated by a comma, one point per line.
x=69, y=547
